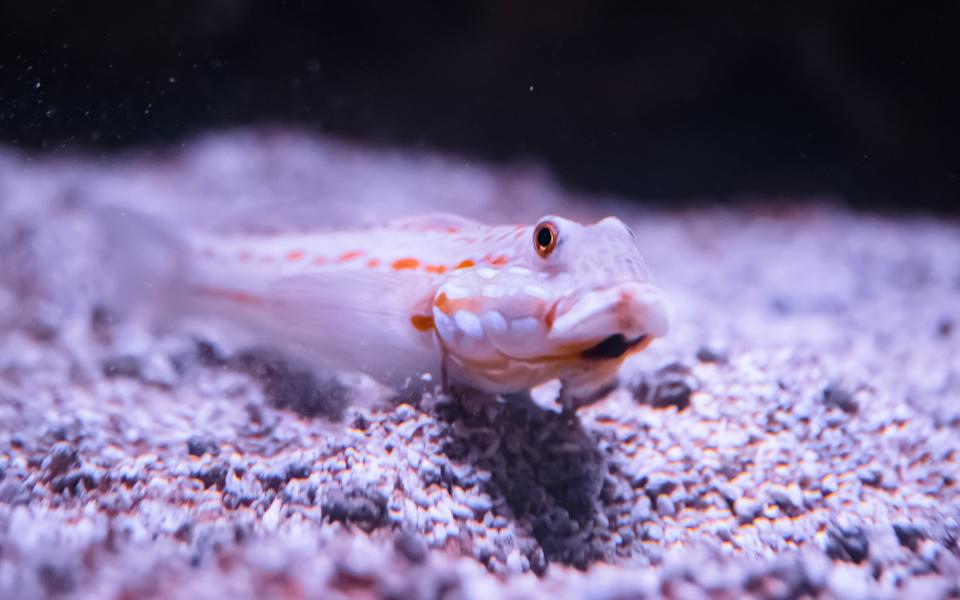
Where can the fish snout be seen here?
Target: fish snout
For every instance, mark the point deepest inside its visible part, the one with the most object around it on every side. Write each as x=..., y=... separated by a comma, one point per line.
x=643, y=310
x=613, y=321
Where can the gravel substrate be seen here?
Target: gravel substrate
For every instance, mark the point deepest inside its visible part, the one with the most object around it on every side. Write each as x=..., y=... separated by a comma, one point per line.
x=797, y=433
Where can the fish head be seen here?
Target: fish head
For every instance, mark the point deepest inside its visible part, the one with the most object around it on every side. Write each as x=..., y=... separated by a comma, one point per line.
x=604, y=299
x=572, y=303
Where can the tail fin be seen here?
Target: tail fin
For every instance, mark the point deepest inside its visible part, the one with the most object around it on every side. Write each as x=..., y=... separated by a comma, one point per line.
x=76, y=258
x=145, y=261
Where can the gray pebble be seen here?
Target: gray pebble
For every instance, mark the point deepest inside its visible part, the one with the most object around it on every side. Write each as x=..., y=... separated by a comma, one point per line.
x=789, y=497
x=829, y=484
x=665, y=506
x=641, y=510
x=930, y=551
x=479, y=503
x=660, y=483
x=428, y=471
x=411, y=547
x=711, y=353
x=413, y=458
x=460, y=511
x=420, y=497
x=747, y=508
x=515, y=562
x=731, y=492
x=654, y=532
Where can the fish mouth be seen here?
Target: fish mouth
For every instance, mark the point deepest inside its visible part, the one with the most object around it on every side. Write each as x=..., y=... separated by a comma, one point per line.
x=614, y=346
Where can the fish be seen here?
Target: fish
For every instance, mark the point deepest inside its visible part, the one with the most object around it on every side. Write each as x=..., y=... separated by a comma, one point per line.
x=441, y=300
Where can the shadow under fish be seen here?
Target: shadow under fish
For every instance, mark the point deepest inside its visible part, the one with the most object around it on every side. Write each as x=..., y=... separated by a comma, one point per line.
x=544, y=464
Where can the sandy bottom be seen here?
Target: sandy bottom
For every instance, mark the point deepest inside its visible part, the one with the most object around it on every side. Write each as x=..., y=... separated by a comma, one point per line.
x=797, y=433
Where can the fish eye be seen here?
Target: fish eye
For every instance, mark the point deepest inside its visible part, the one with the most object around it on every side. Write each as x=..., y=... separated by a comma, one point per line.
x=545, y=238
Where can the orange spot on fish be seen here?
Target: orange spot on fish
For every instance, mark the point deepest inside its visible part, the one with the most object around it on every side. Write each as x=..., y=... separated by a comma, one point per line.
x=295, y=255
x=447, y=306
x=234, y=295
x=421, y=322
x=320, y=260
x=352, y=254
x=245, y=298
x=497, y=261
x=373, y=262
x=438, y=269
x=405, y=263
x=465, y=264
x=443, y=303
x=551, y=316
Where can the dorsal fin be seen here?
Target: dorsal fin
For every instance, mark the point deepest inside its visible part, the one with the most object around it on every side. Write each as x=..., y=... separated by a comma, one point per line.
x=433, y=222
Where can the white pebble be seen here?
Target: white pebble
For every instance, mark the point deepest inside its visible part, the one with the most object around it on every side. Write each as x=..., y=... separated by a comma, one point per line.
x=746, y=507
x=515, y=562
x=460, y=511
x=829, y=484
x=479, y=503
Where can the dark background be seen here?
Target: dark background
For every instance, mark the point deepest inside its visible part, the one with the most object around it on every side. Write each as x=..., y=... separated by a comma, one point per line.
x=854, y=98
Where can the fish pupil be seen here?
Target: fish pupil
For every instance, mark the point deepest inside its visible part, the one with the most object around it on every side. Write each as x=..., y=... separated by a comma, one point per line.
x=544, y=237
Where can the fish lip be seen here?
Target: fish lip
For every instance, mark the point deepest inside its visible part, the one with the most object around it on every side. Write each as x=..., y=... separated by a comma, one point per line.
x=612, y=347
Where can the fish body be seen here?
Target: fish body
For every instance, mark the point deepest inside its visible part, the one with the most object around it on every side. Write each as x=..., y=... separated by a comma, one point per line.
x=439, y=298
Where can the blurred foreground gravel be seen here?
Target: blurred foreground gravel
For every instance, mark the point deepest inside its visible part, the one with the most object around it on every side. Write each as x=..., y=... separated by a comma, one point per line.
x=796, y=435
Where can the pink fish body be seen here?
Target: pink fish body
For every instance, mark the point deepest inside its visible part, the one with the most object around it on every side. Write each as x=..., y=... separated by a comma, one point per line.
x=439, y=298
